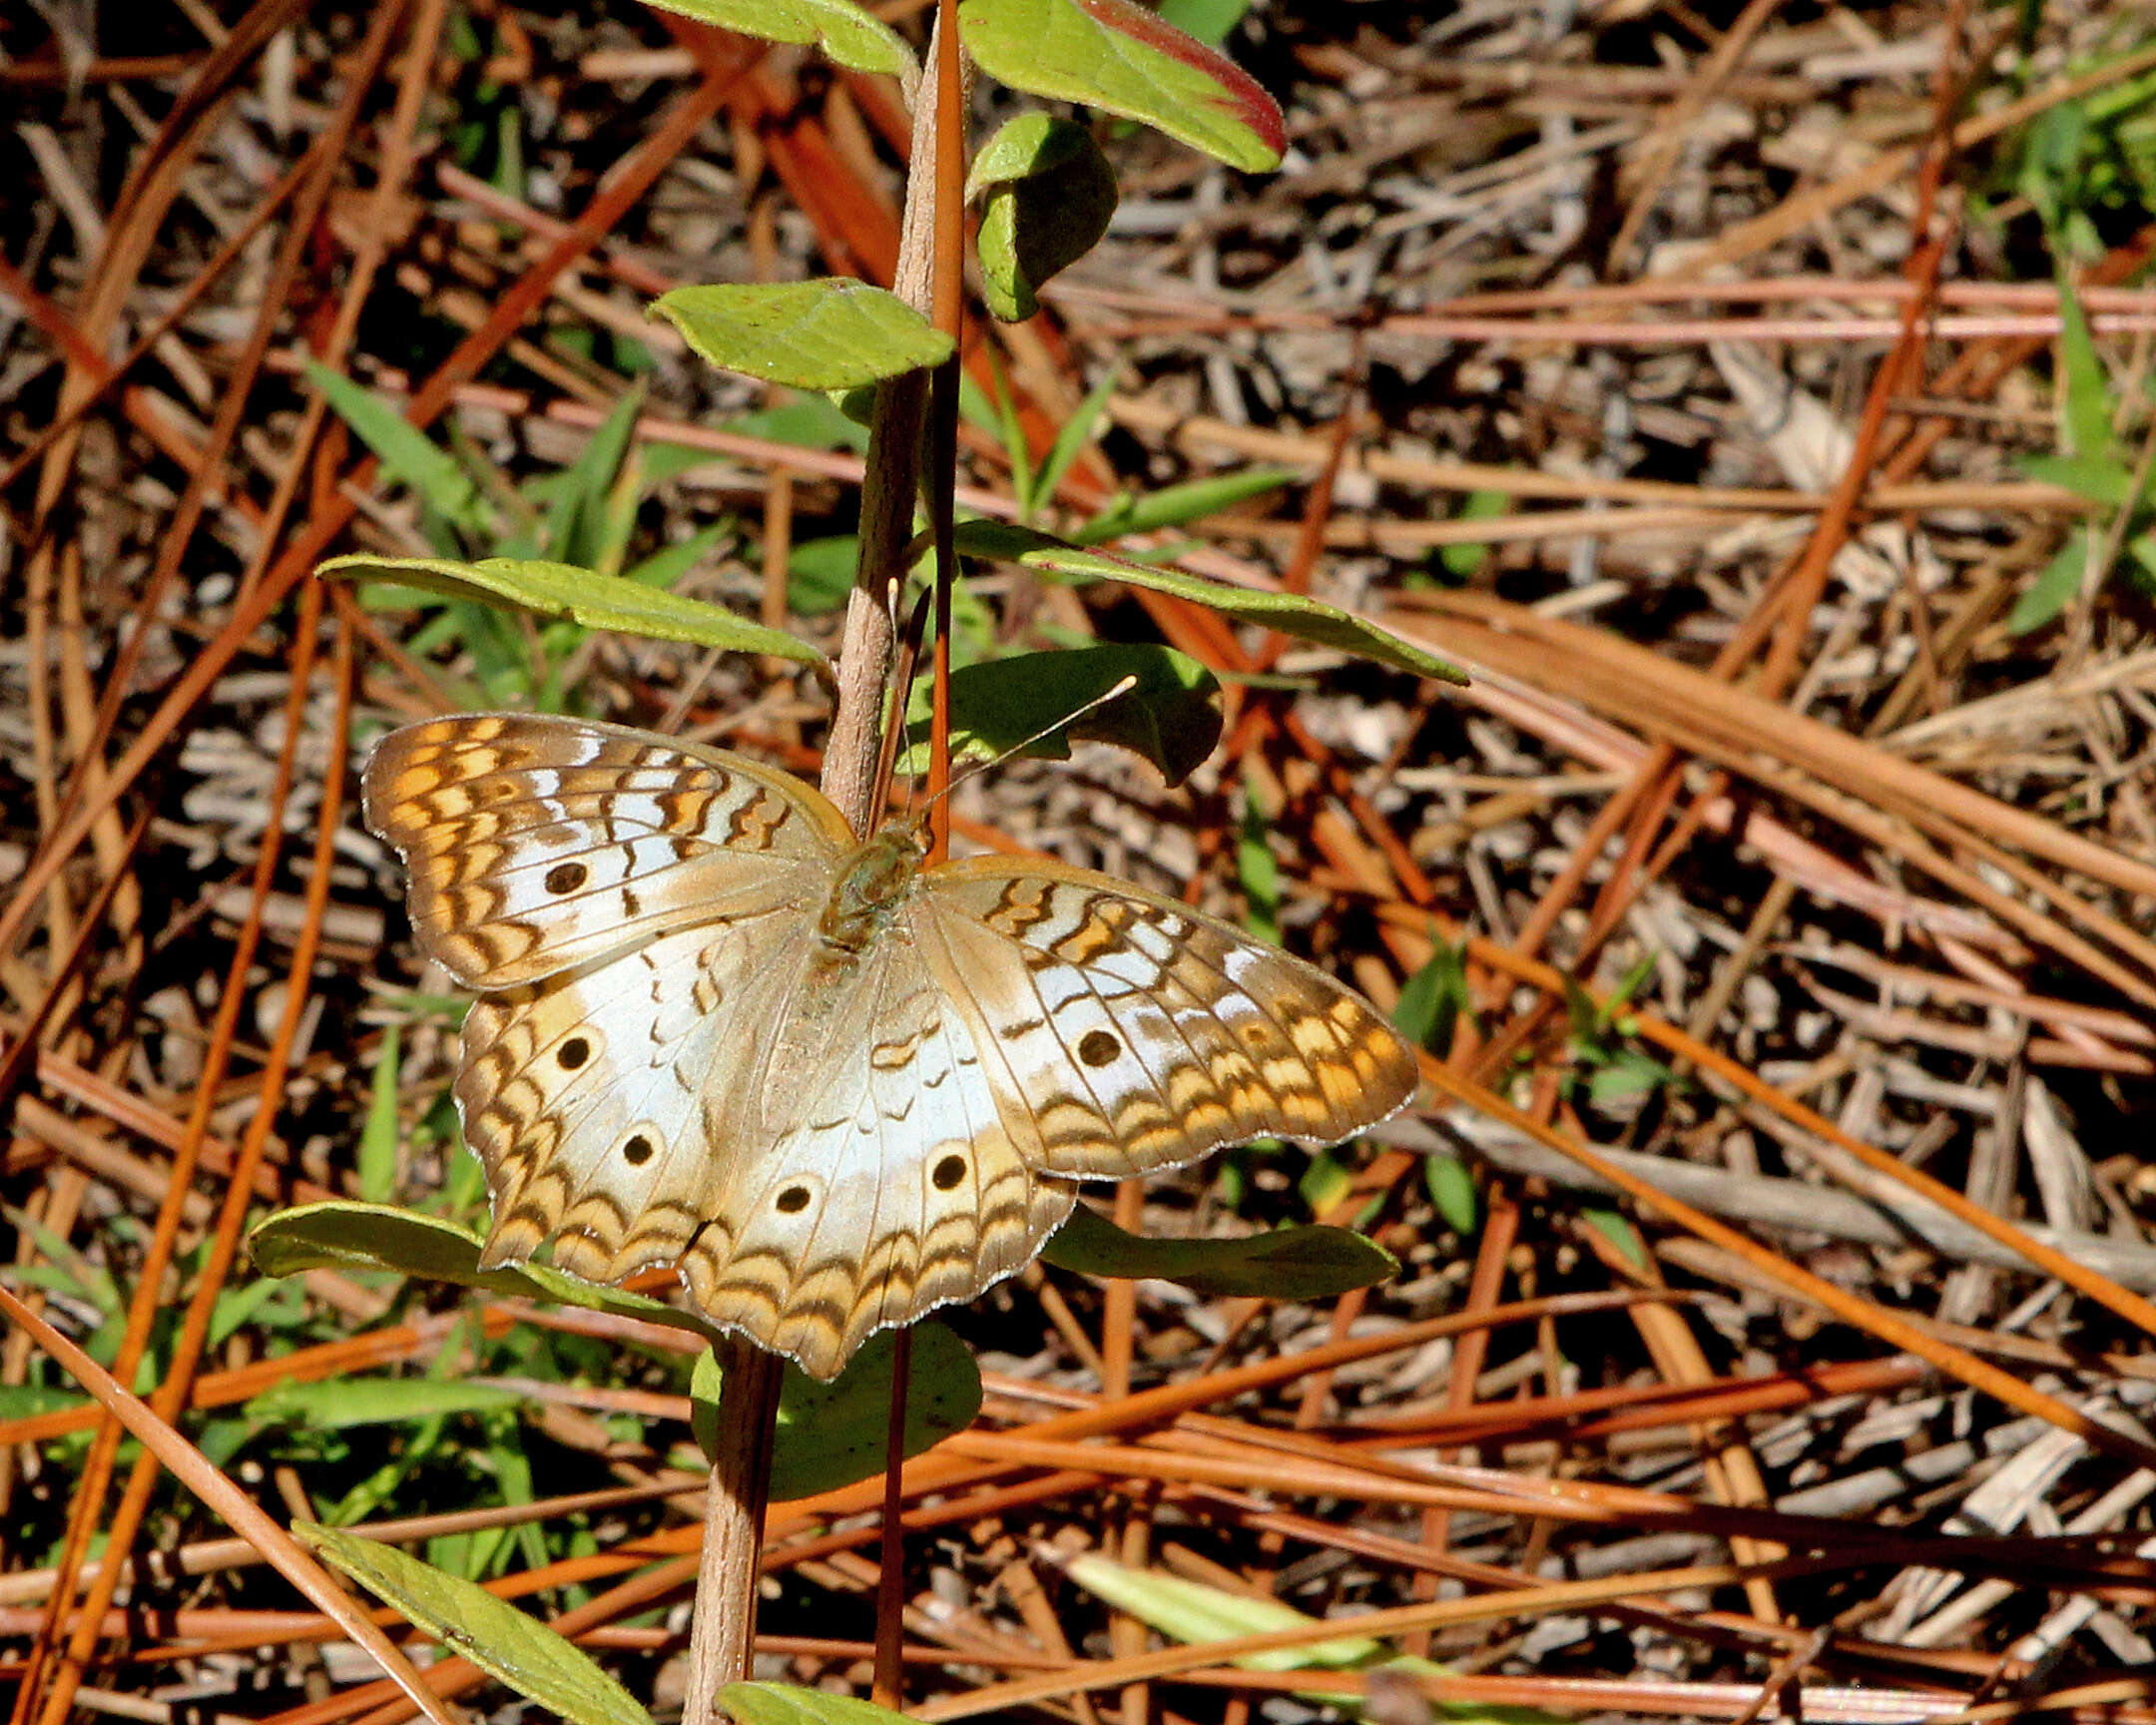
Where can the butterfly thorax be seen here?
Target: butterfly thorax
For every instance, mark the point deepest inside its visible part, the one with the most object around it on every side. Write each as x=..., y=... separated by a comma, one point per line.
x=871, y=885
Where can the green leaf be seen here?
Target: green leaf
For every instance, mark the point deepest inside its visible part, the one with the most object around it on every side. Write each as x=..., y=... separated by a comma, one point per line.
x=1120, y=58
x=1290, y=613
x=1172, y=718
x=832, y=1434
x=1325, y=1181
x=1001, y=417
x=1207, y=20
x=806, y=421
x=1307, y=1263
x=2101, y=479
x=26, y=1401
x=1613, y=1226
x=338, y=1403
x=1433, y=999
x=1191, y=1612
x=1461, y=561
x=406, y=452
x=379, y=1137
x=1178, y=505
x=1612, y=1010
x=847, y=32
x=2086, y=409
x=596, y=601
x=668, y=564
x=1259, y=872
x=820, y=573
x=1050, y=194
x=1450, y=1183
x=2054, y=589
x=1627, y=1073
x=1074, y=433
x=1194, y=1613
x=830, y=333
x=494, y=1635
x=268, y=1303
x=341, y=1235
x=2141, y=571
x=785, y=1704
x=1580, y=1008
x=576, y=516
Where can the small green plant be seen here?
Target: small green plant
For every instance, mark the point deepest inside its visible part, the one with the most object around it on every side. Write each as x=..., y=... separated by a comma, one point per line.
x=2098, y=467
x=1605, y=1070
x=554, y=550
x=2088, y=166
x=2087, y=169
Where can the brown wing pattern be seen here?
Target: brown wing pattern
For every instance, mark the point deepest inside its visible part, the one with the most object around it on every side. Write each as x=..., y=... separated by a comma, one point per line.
x=536, y=844
x=668, y=1065
x=1139, y=1033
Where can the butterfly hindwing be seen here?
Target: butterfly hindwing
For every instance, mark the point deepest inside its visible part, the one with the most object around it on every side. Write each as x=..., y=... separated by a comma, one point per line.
x=880, y=1182
x=821, y=1161
x=588, y=1097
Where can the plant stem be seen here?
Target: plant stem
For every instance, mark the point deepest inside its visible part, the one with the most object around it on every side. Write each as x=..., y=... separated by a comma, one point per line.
x=724, y=1629
x=725, y=1626
x=889, y=1687
x=887, y=489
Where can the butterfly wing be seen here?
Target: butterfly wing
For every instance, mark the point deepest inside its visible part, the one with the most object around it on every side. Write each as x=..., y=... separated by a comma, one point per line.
x=1136, y=1033
x=585, y=1097
x=669, y=1066
x=537, y=845
x=822, y=1153
x=882, y=1180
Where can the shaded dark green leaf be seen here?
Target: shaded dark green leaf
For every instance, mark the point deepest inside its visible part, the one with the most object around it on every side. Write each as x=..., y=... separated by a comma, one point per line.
x=1049, y=195
x=1306, y=1263
x=832, y=1434
x=341, y=1235
x=1171, y=719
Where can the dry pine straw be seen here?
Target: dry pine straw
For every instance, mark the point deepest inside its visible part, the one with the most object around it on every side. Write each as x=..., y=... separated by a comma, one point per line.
x=1887, y=907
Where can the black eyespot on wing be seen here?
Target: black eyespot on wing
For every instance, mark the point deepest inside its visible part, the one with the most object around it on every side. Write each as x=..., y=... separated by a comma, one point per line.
x=1097, y=1047
x=566, y=877
x=948, y=1173
x=638, y=1150
x=794, y=1198
x=573, y=1053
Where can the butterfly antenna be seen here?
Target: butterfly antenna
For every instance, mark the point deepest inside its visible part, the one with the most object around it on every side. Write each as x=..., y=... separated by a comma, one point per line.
x=894, y=728
x=1122, y=687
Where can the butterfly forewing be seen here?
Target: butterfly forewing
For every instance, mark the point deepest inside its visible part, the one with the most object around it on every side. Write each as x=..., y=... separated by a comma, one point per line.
x=830, y=1125
x=1139, y=1033
x=536, y=845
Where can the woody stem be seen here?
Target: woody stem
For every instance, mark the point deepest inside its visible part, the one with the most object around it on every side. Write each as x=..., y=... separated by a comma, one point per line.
x=723, y=1631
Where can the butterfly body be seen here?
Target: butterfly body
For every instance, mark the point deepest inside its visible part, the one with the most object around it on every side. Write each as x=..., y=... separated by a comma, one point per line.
x=871, y=887
x=833, y=1084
